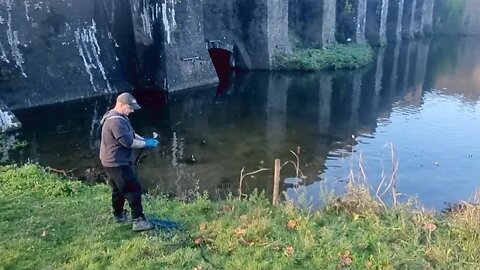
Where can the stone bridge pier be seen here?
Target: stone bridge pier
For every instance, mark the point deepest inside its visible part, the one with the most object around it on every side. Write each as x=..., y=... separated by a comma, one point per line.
x=408, y=19
x=394, y=20
x=262, y=26
x=170, y=44
x=376, y=23
x=423, y=20
x=256, y=29
x=306, y=17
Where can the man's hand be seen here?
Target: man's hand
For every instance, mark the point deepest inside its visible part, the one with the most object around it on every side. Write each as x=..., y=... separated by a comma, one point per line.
x=151, y=143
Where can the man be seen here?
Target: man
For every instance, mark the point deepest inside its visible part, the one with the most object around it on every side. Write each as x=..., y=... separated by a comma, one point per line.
x=117, y=157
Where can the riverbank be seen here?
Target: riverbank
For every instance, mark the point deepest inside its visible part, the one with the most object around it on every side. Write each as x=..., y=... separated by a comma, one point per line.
x=48, y=222
x=340, y=56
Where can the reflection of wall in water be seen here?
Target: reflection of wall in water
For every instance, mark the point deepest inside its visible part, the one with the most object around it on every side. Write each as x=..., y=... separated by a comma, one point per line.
x=69, y=139
x=461, y=75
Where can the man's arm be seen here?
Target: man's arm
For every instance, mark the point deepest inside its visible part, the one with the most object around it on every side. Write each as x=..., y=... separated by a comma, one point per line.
x=124, y=136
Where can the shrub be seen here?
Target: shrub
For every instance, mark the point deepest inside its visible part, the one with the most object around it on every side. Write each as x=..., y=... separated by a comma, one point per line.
x=337, y=57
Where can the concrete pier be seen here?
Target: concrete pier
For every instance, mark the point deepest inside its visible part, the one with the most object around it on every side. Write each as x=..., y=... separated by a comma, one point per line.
x=306, y=17
x=394, y=20
x=423, y=18
x=427, y=16
x=170, y=44
x=376, y=23
x=408, y=19
x=263, y=28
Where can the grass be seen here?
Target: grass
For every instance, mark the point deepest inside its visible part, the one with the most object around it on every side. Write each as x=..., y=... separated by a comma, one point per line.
x=340, y=56
x=49, y=222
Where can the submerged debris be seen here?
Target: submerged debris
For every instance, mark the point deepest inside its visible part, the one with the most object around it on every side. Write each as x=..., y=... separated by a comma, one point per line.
x=460, y=207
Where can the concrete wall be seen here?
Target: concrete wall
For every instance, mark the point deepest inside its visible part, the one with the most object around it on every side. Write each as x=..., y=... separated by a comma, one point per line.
x=394, y=20
x=54, y=51
x=457, y=17
x=262, y=26
x=256, y=31
x=428, y=16
x=408, y=20
x=471, y=20
x=306, y=17
x=376, y=23
x=170, y=43
x=219, y=21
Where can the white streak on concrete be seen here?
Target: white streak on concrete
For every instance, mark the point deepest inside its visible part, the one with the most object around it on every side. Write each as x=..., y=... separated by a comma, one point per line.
x=12, y=37
x=27, y=5
x=144, y=17
x=146, y=22
x=3, y=54
x=97, y=55
x=166, y=23
x=89, y=51
x=149, y=15
x=86, y=62
x=172, y=14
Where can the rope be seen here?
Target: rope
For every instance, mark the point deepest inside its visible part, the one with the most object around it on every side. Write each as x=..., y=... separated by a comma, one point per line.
x=165, y=224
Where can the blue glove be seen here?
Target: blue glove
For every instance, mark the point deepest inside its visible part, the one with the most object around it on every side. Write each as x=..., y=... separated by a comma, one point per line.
x=151, y=143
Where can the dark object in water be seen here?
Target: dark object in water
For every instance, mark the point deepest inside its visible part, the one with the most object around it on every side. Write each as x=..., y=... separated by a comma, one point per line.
x=455, y=208
x=190, y=160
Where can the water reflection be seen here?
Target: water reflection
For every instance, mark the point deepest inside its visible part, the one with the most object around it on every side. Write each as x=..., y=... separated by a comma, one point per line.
x=207, y=136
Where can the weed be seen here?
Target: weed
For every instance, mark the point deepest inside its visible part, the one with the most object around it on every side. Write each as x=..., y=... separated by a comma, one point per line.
x=339, y=56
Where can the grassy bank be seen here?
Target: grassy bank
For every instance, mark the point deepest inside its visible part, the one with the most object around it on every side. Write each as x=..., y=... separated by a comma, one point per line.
x=337, y=57
x=47, y=222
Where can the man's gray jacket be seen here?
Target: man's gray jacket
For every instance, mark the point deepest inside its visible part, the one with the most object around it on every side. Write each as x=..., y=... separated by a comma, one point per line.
x=117, y=140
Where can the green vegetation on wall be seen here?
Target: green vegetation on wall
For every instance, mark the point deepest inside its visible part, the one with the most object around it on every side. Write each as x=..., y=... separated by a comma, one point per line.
x=336, y=57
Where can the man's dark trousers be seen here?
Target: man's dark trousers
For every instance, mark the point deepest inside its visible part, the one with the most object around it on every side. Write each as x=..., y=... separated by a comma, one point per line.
x=125, y=185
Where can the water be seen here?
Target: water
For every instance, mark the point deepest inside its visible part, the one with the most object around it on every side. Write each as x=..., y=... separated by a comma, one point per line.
x=418, y=98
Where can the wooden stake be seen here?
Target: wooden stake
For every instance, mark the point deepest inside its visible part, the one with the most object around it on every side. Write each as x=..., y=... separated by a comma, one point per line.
x=276, y=182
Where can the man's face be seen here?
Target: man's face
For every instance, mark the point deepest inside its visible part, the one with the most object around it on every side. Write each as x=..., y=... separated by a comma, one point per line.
x=126, y=109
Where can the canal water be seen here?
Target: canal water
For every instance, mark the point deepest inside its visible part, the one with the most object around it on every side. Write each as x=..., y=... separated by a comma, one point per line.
x=413, y=115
